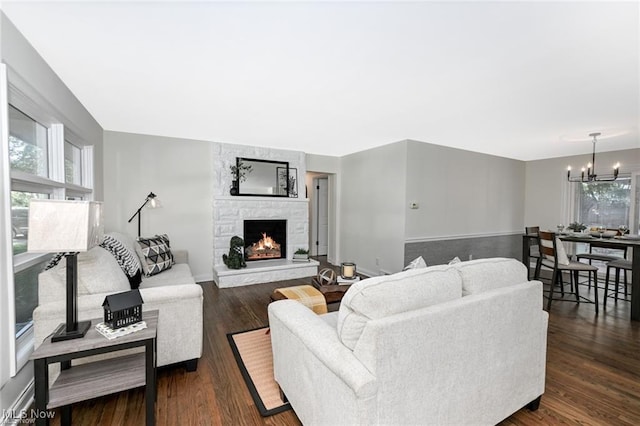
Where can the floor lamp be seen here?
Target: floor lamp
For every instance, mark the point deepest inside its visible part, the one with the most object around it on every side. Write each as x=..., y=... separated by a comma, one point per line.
x=69, y=227
x=151, y=202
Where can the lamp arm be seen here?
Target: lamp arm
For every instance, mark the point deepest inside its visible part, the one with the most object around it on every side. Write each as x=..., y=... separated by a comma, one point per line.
x=138, y=211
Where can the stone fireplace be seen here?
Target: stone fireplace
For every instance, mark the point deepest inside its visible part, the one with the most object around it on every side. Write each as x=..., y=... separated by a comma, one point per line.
x=231, y=212
x=265, y=239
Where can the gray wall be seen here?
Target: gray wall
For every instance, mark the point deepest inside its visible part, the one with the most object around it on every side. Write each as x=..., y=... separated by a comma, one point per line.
x=180, y=173
x=462, y=193
x=372, y=211
x=470, y=204
x=548, y=194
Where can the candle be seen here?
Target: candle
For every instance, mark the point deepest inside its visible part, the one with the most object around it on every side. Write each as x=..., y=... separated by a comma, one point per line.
x=348, y=270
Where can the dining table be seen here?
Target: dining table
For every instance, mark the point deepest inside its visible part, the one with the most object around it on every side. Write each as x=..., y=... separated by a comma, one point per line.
x=617, y=242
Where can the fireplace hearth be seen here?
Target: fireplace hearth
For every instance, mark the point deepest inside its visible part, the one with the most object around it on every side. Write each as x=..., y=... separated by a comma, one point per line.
x=265, y=239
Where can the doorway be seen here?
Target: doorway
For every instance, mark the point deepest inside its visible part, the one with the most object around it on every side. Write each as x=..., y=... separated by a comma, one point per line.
x=320, y=217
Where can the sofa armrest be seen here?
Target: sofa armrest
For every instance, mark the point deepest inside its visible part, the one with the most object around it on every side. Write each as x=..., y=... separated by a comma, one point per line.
x=180, y=256
x=308, y=359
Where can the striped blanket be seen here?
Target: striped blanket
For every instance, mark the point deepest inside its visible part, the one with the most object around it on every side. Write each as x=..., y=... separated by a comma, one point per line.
x=307, y=295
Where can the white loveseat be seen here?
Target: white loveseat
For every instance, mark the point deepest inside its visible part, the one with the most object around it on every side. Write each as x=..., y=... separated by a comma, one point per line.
x=460, y=344
x=173, y=292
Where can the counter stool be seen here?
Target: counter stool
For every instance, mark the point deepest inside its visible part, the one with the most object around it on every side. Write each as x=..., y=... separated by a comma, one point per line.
x=620, y=264
x=551, y=249
x=599, y=256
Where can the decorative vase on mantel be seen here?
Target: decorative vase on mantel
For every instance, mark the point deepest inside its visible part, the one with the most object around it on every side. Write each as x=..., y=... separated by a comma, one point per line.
x=234, y=187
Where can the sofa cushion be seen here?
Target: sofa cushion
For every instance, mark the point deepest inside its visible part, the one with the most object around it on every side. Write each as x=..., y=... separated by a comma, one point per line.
x=488, y=274
x=155, y=254
x=179, y=274
x=387, y=295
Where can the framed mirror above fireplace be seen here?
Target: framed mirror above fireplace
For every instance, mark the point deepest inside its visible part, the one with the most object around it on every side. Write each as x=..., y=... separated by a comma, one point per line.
x=262, y=178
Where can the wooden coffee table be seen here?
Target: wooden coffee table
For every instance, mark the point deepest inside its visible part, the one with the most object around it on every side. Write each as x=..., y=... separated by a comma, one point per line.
x=332, y=293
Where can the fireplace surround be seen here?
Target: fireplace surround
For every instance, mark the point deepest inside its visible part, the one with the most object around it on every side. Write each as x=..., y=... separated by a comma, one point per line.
x=230, y=212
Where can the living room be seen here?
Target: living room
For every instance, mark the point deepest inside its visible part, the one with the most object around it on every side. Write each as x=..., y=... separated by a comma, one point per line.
x=429, y=182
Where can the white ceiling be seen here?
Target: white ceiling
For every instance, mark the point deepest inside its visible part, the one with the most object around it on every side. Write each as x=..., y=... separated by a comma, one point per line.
x=519, y=80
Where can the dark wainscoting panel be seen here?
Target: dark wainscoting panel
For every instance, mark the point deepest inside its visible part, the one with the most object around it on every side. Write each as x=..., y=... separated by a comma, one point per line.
x=442, y=251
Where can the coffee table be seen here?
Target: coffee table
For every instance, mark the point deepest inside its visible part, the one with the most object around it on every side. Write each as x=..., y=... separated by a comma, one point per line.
x=332, y=293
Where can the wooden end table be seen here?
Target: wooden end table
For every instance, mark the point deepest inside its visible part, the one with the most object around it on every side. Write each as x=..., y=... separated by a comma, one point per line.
x=99, y=378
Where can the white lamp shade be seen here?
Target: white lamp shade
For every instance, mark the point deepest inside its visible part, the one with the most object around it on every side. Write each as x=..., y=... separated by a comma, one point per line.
x=57, y=225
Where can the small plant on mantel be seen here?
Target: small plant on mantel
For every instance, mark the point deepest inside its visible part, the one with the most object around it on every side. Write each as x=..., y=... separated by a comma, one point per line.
x=239, y=172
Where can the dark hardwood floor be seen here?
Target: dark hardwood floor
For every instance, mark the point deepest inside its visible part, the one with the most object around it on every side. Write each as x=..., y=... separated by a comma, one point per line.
x=593, y=370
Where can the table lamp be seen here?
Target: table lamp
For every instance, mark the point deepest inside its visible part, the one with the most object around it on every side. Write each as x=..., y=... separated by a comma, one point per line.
x=69, y=227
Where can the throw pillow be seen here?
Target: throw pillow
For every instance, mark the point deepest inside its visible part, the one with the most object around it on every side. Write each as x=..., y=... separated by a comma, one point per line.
x=54, y=260
x=416, y=263
x=155, y=254
x=129, y=262
x=455, y=260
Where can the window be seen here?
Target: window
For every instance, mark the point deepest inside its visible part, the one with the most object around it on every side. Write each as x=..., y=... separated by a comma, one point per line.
x=72, y=164
x=604, y=203
x=28, y=144
x=45, y=160
x=26, y=295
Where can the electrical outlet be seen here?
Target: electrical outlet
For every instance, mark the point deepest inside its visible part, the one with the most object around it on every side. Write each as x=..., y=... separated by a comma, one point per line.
x=470, y=257
x=377, y=261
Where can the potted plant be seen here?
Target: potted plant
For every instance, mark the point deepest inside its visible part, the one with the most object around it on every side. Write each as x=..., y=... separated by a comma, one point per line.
x=577, y=227
x=239, y=172
x=301, y=255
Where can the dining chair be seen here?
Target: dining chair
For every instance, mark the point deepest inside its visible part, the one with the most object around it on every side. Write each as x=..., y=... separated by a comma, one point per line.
x=618, y=265
x=555, y=258
x=591, y=256
x=534, y=250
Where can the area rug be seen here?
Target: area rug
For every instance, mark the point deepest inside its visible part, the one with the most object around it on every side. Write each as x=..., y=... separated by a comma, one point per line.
x=252, y=350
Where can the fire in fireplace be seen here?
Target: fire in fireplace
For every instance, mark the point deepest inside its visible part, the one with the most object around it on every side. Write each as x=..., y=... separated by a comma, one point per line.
x=266, y=248
x=265, y=239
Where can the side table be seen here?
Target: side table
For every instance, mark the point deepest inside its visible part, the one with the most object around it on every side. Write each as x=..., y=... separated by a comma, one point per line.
x=99, y=378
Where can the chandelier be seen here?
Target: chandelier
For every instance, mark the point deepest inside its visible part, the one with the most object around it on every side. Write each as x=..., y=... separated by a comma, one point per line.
x=589, y=173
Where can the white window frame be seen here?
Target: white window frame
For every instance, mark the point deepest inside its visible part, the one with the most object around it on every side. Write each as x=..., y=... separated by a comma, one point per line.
x=574, y=205
x=16, y=92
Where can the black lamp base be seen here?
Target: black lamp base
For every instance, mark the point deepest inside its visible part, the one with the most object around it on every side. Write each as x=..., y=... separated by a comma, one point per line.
x=62, y=334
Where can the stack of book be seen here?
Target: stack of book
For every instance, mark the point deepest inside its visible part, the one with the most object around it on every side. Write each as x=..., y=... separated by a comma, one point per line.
x=111, y=333
x=347, y=281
